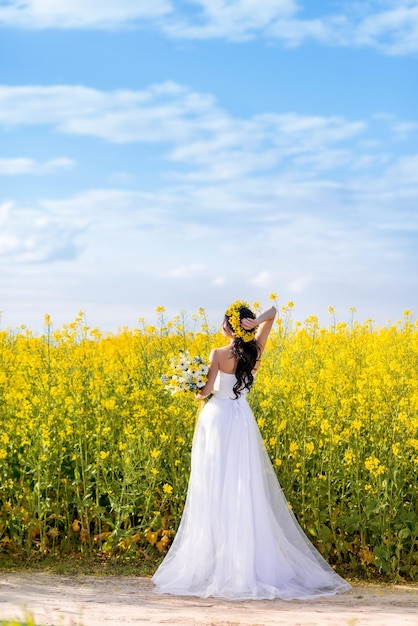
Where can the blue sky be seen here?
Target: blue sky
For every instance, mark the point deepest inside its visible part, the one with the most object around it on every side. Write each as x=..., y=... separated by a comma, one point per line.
x=190, y=153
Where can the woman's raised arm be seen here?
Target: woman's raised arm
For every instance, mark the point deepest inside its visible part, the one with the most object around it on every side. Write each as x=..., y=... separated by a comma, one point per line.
x=264, y=323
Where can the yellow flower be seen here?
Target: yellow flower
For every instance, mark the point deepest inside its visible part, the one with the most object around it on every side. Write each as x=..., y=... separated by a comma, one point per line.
x=325, y=426
x=310, y=447
x=155, y=453
x=103, y=454
x=395, y=448
x=282, y=425
x=349, y=457
x=233, y=315
x=168, y=489
x=374, y=466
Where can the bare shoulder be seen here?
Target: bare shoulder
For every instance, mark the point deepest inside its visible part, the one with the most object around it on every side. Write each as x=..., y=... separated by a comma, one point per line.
x=214, y=352
x=216, y=355
x=224, y=353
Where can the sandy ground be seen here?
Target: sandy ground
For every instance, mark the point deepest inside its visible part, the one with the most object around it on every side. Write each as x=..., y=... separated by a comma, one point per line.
x=93, y=601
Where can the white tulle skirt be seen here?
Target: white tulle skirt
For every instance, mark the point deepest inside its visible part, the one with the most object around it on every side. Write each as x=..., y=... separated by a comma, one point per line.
x=237, y=538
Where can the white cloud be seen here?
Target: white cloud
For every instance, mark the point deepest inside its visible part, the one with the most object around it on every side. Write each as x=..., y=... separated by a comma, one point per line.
x=16, y=166
x=236, y=20
x=236, y=147
x=192, y=270
x=47, y=105
x=120, y=203
x=165, y=112
x=389, y=26
x=392, y=29
x=328, y=243
x=294, y=32
x=5, y=209
x=325, y=160
x=262, y=279
x=299, y=284
x=404, y=171
x=404, y=130
x=219, y=281
x=281, y=220
x=33, y=236
x=215, y=145
x=274, y=159
x=102, y=14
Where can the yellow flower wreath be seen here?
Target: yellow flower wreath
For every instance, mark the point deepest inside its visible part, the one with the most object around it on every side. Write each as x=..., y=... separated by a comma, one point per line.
x=234, y=320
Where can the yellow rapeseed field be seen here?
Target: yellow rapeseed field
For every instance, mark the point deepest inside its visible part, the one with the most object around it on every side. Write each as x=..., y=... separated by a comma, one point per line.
x=95, y=452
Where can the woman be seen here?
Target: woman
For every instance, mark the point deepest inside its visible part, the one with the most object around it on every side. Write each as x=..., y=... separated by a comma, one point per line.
x=238, y=538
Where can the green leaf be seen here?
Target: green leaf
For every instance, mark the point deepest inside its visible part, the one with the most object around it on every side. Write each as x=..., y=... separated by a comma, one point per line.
x=404, y=533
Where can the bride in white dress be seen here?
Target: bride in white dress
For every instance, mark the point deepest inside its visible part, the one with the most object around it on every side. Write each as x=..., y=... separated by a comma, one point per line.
x=238, y=538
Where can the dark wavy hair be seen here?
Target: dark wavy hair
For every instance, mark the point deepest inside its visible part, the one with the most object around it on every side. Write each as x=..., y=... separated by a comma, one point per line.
x=246, y=353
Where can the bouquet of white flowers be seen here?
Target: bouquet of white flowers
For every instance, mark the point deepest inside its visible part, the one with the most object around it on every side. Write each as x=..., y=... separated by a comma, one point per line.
x=189, y=373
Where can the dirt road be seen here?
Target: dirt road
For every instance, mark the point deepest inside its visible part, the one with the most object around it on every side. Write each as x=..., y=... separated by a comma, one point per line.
x=92, y=601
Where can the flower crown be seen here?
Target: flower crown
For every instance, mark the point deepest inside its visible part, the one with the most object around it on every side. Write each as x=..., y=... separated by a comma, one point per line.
x=233, y=315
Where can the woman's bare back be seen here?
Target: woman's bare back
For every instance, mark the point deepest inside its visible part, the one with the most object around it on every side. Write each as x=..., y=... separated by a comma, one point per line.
x=226, y=361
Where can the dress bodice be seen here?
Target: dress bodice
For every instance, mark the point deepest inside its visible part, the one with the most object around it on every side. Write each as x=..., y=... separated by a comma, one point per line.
x=224, y=385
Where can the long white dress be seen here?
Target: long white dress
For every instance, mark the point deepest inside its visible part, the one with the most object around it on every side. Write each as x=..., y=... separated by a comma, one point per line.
x=238, y=538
